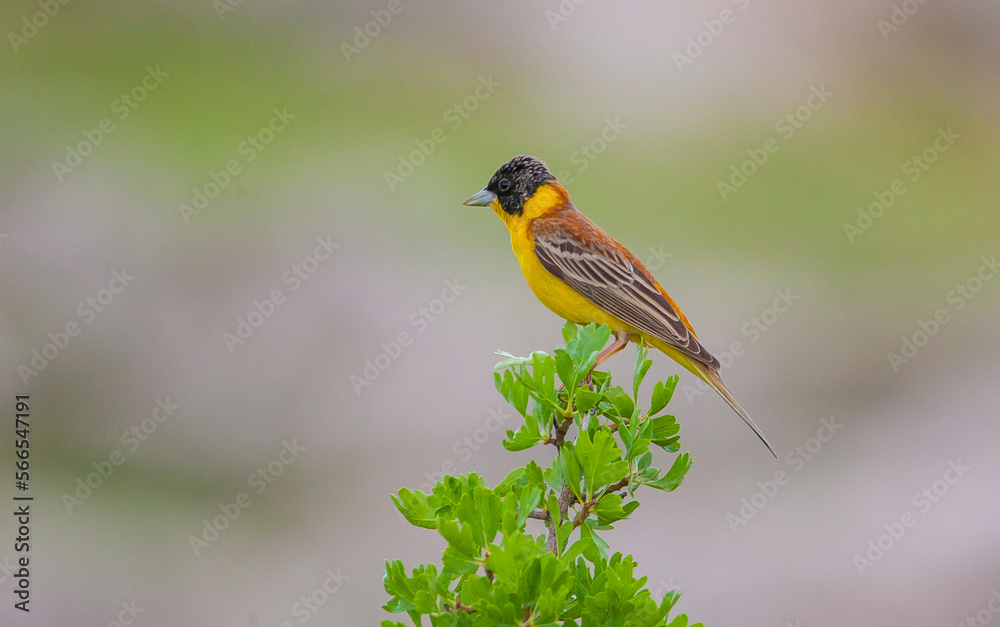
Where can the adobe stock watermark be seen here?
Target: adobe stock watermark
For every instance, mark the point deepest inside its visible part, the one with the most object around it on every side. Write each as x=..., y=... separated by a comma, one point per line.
x=656, y=260
x=121, y=108
x=985, y=616
x=224, y=7
x=454, y=116
x=9, y=568
x=956, y=299
x=311, y=603
x=923, y=501
x=466, y=446
x=32, y=24
x=587, y=153
x=131, y=439
x=562, y=12
x=365, y=34
x=795, y=460
x=786, y=126
x=249, y=149
x=420, y=320
x=87, y=311
x=753, y=329
x=714, y=28
x=663, y=587
x=463, y=450
x=294, y=277
x=128, y=614
x=258, y=481
x=913, y=169
x=899, y=16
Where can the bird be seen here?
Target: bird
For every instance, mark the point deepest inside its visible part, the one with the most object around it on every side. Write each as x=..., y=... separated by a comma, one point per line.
x=584, y=275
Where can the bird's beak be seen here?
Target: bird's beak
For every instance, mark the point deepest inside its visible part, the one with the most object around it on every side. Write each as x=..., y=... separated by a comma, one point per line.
x=482, y=198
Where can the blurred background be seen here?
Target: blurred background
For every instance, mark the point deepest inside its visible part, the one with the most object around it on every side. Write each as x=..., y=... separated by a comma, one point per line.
x=247, y=304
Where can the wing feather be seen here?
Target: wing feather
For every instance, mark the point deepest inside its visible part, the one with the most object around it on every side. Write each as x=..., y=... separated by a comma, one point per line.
x=591, y=263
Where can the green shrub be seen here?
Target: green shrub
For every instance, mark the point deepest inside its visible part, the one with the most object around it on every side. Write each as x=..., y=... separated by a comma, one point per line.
x=494, y=571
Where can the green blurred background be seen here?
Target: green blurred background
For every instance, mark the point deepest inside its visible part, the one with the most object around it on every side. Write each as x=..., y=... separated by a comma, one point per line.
x=641, y=137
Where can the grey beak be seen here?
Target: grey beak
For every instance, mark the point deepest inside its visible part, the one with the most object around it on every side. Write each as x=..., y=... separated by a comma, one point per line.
x=482, y=198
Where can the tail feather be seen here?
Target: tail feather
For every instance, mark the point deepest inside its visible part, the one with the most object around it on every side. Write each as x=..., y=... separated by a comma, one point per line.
x=712, y=378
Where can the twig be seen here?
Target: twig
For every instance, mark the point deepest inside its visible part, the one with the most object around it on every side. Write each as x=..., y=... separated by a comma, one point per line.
x=566, y=499
x=584, y=512
x=458, y=608
x=614, y=487
x=561, y=430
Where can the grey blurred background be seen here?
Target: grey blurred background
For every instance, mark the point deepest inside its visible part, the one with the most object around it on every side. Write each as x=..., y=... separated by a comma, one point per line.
x=114, y=116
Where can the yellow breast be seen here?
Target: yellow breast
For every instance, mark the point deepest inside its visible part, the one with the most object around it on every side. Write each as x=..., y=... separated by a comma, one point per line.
x=563, y=300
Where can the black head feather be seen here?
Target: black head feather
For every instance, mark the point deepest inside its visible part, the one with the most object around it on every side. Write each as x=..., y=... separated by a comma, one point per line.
x=517, y=180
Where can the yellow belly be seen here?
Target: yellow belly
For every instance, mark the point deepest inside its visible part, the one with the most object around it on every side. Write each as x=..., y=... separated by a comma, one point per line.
x=563, y=300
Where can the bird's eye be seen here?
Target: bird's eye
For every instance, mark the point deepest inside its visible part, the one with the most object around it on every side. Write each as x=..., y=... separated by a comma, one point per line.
x=504, y=185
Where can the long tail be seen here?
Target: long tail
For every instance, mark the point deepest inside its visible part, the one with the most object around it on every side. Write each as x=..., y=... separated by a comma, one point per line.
x=712, y=378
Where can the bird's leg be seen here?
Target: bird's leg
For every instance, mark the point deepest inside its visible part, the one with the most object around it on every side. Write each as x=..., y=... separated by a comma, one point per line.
x=621, y=341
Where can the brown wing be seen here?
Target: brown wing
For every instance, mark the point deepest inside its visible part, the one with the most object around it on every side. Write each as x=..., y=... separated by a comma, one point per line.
x=574, y=249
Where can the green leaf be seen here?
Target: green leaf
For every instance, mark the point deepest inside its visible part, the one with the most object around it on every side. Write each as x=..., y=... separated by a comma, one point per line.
x=415, y=508
x=552, y=507
x=569, y=331
x=511, y=360
x=480, y=511
x=540, y=380
x=569, y=468
x=410, y=594
x=586, y=346
x=509, y=523
x=578, y=547
x=644, y=461
x=662, y=392
x=664, y=432
x=597, y=548
x=510, y=561
x=525, y=437
x=462, y=554
x=529, y=500
x=621, y=401
x=533, y=473
x=516, y=477
x=554, y=475
x=586, y=399
x=670, y=599
x=513, y=390
x=474, y=590
x=609, y=509
x=563, y=532
x=636, y=438
x=600, y=379
x=565, y=370
x=600, y=460
x=449, y=492
x=641, y=368
x=640, y=446
x=674, y=476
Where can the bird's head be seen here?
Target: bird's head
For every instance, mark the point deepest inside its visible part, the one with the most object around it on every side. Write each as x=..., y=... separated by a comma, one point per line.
x=520, y=180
